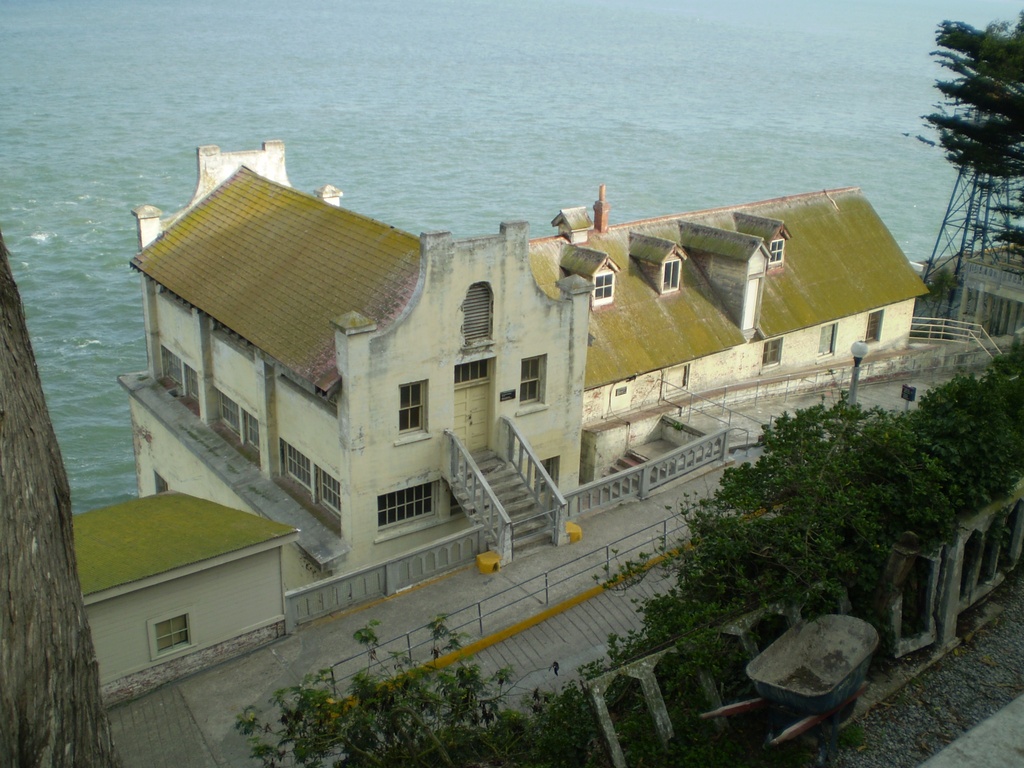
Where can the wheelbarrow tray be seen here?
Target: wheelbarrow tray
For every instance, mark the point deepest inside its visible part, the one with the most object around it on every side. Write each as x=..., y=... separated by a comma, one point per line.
x=815, y=666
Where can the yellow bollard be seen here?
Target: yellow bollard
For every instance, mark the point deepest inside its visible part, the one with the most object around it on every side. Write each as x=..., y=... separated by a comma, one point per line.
x=488, y=562
x=574, y=531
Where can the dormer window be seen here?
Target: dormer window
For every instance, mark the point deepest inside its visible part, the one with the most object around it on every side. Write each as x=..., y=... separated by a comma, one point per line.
x=604, y=288
x=670, y=275
x=776, y=252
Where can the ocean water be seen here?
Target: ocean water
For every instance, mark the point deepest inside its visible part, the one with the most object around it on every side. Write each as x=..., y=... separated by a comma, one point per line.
x=445, y=115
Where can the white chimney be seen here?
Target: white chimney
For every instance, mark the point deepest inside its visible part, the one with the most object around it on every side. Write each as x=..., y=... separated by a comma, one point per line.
x=147, y=224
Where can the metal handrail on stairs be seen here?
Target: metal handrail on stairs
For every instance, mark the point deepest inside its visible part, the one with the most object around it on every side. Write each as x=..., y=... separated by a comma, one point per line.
x=519, y=453
x=946, y=329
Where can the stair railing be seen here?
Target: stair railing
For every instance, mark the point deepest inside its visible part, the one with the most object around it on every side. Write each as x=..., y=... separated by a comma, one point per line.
x=519, y=452
x=475, y=494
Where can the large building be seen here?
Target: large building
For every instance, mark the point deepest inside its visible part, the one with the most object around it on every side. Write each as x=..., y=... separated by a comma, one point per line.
x=323, y=369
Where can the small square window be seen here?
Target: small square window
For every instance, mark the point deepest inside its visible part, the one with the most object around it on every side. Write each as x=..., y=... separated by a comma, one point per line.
x=827, y=339
x=171, y=633
x=531, y=383
x=772, y=354
x=874, y=329
x=604, y=287
x=412, y=398
x=670, y=275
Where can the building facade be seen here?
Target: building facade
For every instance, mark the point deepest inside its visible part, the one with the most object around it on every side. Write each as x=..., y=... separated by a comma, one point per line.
x=324, y=369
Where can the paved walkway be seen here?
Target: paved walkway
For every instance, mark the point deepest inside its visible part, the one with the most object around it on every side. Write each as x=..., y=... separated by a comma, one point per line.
x=191, y=722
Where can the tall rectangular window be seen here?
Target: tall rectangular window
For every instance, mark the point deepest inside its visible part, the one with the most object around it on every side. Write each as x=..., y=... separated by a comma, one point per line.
x=250, y=429
x=874, y=329
x=229, y=413
x=531, y=382
x=412, y=399
x=171, y=364
x=772, y=354
x=670, y=276
x=776, y=251
x=405, y=504
x=296, y=465
x=191, y=381
x=827, y=339
x=172, y=633
x=328, y=490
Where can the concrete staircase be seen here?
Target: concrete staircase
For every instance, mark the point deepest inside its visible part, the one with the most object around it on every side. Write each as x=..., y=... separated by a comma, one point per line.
x=529, y=525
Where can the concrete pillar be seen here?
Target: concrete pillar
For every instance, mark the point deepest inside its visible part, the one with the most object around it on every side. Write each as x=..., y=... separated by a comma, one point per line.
x=147, y=224
x=152, y=325
x=209, y=402
x=270, y=459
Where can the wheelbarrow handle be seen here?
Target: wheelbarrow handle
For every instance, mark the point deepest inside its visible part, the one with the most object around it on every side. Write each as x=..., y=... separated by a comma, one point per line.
x=740, y=707
x=805, y=724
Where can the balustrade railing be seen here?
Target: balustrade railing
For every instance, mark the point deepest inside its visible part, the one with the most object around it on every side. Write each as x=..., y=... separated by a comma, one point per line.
x=640, y=481
x=475, y=494
x=549, y=500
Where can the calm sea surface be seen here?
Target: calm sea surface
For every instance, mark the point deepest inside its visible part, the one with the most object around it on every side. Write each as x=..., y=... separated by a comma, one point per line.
x=451, y=114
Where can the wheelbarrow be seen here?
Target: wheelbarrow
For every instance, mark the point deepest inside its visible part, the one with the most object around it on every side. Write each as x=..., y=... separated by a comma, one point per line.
x=810, y=678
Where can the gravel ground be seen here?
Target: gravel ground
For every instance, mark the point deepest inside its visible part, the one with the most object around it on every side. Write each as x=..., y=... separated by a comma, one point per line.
x=975, y=680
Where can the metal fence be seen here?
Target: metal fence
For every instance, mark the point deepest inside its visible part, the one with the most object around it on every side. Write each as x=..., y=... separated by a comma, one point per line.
x=502, y=609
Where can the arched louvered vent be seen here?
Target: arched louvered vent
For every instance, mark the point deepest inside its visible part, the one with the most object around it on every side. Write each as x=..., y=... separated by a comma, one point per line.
x=477, y=310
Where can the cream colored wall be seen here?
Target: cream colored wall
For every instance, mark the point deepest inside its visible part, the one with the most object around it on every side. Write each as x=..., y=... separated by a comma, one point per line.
x=426, y=345
x=308, y=424
x=233, y=373
x=223, y=602
x=177, y=330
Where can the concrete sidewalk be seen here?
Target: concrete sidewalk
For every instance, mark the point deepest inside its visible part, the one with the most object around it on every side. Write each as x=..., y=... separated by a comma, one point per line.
x=191, y=722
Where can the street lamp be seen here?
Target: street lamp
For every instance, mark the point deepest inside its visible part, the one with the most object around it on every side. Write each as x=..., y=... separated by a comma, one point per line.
x=859, y=350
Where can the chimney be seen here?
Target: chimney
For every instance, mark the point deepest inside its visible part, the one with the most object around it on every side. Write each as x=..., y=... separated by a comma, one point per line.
x=147, y=223
x=330, y=194
x=601, y=209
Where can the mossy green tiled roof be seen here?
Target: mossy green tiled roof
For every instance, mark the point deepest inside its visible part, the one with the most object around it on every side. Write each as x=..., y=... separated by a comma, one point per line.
x=276, y=266
x=131, y=541
x=840, y=260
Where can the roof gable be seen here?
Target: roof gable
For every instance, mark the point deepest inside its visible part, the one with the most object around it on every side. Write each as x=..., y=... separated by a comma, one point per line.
x=276, y=266
x=586, y=262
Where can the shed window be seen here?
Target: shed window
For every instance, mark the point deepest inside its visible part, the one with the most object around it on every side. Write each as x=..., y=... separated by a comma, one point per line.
x=670, y=276
x=776, y=251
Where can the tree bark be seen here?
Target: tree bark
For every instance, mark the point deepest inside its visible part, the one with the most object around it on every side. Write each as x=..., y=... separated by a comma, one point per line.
x=51, y=712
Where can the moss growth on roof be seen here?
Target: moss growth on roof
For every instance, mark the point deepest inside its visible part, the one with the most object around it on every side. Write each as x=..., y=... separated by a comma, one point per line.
x=276, y=266
x=840, y=260
x=131, y=541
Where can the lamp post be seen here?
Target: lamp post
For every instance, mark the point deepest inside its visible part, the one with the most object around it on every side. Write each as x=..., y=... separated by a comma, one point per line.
x=859, y=350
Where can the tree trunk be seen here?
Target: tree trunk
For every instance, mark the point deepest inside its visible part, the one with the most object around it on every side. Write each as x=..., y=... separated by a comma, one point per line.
x=51, y=713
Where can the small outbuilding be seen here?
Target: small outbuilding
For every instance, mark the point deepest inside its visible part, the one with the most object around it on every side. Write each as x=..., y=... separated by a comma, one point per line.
x=173, y=584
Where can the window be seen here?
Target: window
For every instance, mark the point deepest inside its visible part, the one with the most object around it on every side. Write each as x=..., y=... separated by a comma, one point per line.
x=684, y=381
x=296, y=465
x=328, y=490
x=229, y=413
x=604, y=287
x=191, y=381
x=827, y=340
x=472, y=371
x=171, y=633
x=477, y=311
x=670, y=276
x=776, y=251
x=250, y=429
x=531, y=382
x=772, y=354
x=620, y=391
x=874, y=331
x=171, y=365
x=159, y=483
x=551, y=467
x=410, y=409
x=405, y=504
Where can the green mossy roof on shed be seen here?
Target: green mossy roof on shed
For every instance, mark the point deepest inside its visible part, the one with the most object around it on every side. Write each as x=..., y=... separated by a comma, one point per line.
x=276, y=266
x=145, y=537
x=840, y=260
